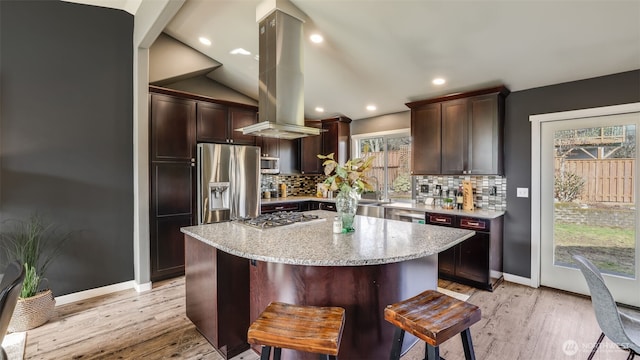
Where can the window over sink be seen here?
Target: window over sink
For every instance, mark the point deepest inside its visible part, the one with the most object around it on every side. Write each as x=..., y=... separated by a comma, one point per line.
x=392, y=166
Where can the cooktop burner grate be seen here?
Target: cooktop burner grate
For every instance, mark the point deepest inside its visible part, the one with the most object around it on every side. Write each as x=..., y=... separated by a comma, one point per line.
x=277, y=219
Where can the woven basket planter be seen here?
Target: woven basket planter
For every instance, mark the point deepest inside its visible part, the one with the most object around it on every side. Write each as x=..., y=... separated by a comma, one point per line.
x=32, y=312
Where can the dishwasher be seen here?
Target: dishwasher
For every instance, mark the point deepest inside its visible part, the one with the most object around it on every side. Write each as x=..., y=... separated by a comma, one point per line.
x=407, y=215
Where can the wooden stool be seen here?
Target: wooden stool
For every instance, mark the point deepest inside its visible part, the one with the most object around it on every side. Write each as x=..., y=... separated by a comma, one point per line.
x=434, y=318
x=305, y=328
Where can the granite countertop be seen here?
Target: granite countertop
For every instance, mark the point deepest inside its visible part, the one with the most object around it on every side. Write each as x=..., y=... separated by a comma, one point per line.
x=478, y=213
x=375, y=241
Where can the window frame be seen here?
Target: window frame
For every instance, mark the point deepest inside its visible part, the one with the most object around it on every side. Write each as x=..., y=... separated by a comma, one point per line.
x=355, y=152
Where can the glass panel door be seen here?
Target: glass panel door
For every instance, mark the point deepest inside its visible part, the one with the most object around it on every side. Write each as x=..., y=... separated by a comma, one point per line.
x=588, y=202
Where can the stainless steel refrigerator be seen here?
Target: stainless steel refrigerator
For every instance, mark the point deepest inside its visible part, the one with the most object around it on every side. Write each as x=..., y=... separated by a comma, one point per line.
x=228, y=182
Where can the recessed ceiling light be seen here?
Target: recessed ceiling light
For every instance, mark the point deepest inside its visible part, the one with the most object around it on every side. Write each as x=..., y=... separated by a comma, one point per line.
x=316, y=38
x=438, y=81
x=204, y=40
x=371, y=107
x=319, y=109
x=240, y=51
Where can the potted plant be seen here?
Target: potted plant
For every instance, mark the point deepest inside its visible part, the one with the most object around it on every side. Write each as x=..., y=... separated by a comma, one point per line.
x=350, y=180
x=35, y=243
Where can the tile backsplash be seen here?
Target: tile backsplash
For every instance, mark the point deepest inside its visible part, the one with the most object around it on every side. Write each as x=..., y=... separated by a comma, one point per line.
x=490, y=190
x=297, y=185
x=483, y=187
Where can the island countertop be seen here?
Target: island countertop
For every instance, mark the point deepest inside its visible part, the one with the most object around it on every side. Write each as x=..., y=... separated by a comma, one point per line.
x=375, y=241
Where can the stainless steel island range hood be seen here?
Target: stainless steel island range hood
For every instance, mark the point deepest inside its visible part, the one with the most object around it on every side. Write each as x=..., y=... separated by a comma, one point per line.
x=281, y=85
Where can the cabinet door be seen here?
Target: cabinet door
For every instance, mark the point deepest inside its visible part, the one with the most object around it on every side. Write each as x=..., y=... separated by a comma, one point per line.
x=289, y=154
x=426, y=132
x=336, y=139
x=172, y=207
x=485, y=137
x=472, y=261
x=310, y=147
x=172, y=122
x=447, y=261
x=212, y=122
x=455, y=114
x=239, y=118
x=269, y=146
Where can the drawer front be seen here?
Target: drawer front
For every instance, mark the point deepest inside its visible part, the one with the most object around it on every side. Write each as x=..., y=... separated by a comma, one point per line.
x=474, y=224
x=328, y=206
x=441, y=219
x=265, y=209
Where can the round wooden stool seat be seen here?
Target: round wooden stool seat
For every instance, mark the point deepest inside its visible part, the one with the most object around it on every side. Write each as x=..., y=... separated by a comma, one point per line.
x=311, y=329
x=434, y=318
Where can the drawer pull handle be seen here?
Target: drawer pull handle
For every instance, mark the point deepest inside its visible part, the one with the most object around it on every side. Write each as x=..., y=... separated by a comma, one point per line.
x=440, y=219
x=279, y=207
x=473, y=223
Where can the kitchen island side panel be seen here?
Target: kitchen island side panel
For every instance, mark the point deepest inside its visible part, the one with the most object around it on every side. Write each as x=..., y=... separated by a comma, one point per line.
x=363, y=291
x=217, y=296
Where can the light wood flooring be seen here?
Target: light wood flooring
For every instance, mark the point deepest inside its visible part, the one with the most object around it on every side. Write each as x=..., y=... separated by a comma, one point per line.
x=518, y=322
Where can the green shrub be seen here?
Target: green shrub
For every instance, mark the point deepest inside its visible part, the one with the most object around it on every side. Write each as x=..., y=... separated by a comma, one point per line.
x=567, y=186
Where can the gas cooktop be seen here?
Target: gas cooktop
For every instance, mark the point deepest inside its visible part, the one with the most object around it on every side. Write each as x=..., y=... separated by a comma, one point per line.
x=278, y=219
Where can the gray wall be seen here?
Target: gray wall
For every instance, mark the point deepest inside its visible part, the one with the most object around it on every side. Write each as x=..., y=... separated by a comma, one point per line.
x=401, y=120
x=601, y=91
x=66, y=141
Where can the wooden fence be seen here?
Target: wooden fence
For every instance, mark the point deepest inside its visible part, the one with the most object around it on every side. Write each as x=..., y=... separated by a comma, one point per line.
x=605, y=180
x=395, y=165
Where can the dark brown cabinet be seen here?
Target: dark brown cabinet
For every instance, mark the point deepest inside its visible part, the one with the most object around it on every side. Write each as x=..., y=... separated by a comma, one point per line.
x=336, y=138
x=425, y=129
x=476, y=261
x=286, y=150
x=177, y=121
x=310, y=147
x=459, y=134
x=217, y=296
x=172, y=179
x=217, y=123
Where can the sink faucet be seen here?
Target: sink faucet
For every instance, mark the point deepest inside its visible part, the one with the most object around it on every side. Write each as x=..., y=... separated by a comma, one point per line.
x=376, y=190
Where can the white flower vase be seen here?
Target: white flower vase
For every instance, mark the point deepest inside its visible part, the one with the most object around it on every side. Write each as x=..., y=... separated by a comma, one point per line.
x=346, y=205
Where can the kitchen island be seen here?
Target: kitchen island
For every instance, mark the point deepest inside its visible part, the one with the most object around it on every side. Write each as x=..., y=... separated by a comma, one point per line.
x=233, y=271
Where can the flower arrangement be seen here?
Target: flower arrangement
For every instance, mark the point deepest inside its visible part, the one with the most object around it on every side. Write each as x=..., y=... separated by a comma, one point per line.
x=350, y=176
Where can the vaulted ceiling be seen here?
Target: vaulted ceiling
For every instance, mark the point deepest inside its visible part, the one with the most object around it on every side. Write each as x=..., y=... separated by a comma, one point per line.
x=387, y=52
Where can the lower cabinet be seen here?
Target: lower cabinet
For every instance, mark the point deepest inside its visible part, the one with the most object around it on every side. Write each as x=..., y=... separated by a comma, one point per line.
x=217, y=296
x=476, y=261
x=284, y=206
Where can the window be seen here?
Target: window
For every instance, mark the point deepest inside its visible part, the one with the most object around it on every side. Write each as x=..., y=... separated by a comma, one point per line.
x=392, y=165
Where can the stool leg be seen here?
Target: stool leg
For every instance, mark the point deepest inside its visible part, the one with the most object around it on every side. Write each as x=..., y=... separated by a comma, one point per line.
x=467, y=345
x=396, y=347
x=431, y=352
x=277, y=353
x=265, y=352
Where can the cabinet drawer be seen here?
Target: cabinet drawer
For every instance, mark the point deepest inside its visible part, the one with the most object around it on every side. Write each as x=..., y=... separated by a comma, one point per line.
x=269, y=208
x=441, y=219
x=327, y=206
x=474, y=224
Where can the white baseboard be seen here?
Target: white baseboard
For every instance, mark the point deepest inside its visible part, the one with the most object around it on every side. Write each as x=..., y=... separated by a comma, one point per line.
x=518, y=280
x=104, y=290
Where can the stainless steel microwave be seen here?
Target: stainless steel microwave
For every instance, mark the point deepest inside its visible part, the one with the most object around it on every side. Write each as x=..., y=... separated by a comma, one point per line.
x=269, y=165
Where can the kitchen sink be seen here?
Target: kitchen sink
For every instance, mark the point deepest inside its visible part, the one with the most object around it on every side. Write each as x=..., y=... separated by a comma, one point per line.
x=373, y=209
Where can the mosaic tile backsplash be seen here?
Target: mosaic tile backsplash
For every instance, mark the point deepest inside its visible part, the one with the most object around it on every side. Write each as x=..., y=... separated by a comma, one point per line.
x=490, y=191
x=297, y=185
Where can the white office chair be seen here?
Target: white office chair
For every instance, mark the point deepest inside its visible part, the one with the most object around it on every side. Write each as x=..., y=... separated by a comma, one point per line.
x=620, y=328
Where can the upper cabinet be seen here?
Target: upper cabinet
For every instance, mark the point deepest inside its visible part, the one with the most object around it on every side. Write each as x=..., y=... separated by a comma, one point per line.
x=217, y=123
x=215, y=120
x=336, y=138
x=459, y=134
x=310, y=147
